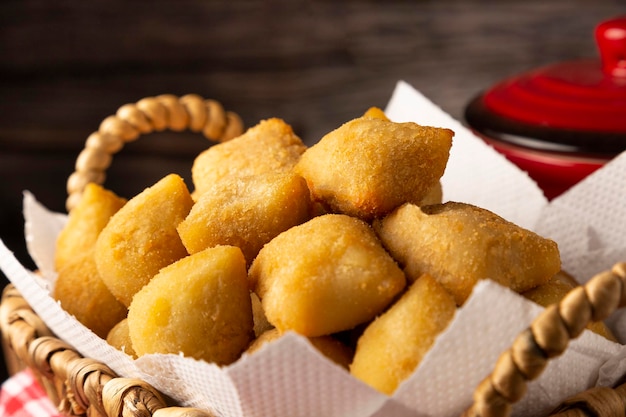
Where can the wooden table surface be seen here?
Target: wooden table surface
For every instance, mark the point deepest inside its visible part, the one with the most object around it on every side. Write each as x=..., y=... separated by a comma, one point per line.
x=66, y=65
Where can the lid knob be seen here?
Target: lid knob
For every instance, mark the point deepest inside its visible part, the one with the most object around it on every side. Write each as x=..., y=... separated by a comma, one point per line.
x=611, y=40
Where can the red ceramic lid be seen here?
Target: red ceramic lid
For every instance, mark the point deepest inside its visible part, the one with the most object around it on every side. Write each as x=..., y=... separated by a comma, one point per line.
x=575, y=106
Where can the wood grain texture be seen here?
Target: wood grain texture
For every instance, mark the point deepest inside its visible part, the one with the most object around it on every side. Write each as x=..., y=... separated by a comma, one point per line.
x=66, y=64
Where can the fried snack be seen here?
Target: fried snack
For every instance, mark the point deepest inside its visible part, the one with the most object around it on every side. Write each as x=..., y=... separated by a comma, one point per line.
x=325, y=276
x=375, y=113
x=141, y=238
x=261, y=324
x=433, y=196
x=119, y=338
x=269, y=146
x=554, y=290
x=246, y=212
x=330, y=347
x=82, y=293
x=459, y=244
x=334, y=350
x=85, y=222
x=199, y=306
x=369, y=166
x=394, y=344
x=267, y=336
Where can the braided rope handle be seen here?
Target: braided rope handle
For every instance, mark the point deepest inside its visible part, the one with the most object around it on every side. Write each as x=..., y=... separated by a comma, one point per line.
x=150, y=114
x=546, y=338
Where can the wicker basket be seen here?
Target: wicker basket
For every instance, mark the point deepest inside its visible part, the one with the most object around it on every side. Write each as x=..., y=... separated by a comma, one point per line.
x=83, y=386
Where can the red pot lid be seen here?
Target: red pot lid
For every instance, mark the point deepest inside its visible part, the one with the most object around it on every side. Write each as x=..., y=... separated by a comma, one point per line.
x=575, y=106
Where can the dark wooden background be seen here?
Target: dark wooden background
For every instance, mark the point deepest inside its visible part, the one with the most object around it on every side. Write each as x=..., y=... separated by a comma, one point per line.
x=66, y=65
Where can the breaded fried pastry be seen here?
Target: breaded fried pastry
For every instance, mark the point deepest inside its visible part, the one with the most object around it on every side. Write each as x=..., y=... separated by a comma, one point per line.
x=246, y=212
x=119, y=338
x=330, y=347
x=141, y=238
x=82, y=293
x=85, y=222
x=199, y=307
x=325, y=276
x=459, y=244
x=393, y=345
x=370, y=165
x=269, y=146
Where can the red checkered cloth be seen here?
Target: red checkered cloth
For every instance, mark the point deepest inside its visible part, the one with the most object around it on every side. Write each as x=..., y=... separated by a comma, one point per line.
x=22, y=396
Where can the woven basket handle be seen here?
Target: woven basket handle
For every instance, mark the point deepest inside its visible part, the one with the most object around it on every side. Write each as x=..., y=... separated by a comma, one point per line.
x=150, y=114
x=546, y=338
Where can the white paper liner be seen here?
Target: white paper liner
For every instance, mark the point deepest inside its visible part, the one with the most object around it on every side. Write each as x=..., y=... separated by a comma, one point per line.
x=291, y=378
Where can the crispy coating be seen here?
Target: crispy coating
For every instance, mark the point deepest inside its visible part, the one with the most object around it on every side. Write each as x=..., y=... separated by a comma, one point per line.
x=394, y=344
x=262, y=339
x=119, y=338
x=433, y=196
x=459, y=244
x=198, y=306
x=85, y=222
x=324, y=276
x=261, y=324
x=369, y=166
x=82, y=293
x=141, y=238
x=334, y=350
x=554, y=290
x=246, y=212
x=269, y=146
x=375, y=113
x=330, y=347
